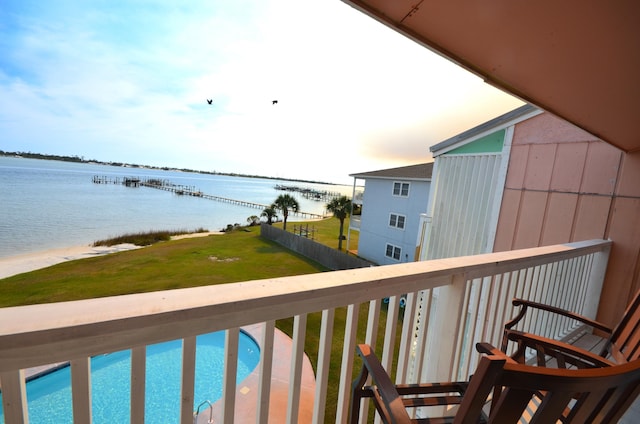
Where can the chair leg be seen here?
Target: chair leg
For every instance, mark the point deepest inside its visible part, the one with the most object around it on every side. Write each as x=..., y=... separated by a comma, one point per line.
x=356, y=395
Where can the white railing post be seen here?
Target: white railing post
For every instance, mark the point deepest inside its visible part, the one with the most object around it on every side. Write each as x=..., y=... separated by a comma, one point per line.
x=295, y=378
x=14, y=397
x=232, y=337
x=324, y=363
x=596, y=279
x=81, y=390
x=404, y=351
x=371, y=338
x=266, y=366
x=390, y=329
x=424, y=313
x=187, y=384
x=346, y=369
x=138, y=376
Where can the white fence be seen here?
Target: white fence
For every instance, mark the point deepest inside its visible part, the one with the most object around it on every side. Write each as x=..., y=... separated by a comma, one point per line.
x=471, y=302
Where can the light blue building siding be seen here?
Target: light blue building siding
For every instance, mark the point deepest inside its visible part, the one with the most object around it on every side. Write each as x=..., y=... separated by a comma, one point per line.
x=390, y=219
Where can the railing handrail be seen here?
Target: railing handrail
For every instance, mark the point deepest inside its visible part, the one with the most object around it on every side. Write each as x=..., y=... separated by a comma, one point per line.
x=40, y=334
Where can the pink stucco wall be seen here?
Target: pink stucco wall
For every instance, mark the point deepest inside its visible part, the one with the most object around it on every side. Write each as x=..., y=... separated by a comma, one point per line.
x=563, y=184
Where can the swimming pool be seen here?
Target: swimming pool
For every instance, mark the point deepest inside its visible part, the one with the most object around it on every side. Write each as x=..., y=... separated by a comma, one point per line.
x=49, y=396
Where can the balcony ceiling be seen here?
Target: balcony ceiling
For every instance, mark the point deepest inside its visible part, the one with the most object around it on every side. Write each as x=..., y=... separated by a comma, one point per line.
x=579, y=60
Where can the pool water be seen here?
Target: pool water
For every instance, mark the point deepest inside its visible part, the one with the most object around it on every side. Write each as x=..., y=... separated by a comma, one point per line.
x=49, y=396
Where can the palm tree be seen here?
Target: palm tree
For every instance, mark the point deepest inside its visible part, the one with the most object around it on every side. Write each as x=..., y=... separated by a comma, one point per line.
x=270, y=213
x=341, y=208
x=253, y=220
x=284, y=202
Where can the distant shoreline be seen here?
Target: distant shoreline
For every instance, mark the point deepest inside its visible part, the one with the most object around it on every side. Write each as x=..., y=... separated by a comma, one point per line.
x=79, y=159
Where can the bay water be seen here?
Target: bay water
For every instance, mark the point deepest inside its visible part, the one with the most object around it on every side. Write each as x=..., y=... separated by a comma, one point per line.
x=47, y=204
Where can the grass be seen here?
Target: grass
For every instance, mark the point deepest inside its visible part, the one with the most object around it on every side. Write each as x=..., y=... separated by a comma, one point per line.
x=325, y=231
x=240, y=255
x=145, y=238
x=191, y=262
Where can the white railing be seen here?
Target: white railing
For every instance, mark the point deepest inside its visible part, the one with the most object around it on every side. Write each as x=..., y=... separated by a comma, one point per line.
x=471, y=302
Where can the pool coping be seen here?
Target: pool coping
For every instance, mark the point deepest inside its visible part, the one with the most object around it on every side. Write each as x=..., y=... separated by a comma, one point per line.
x=247, y=391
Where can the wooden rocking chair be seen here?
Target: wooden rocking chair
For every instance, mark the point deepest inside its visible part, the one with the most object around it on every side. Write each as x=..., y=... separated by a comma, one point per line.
x=622, y=342
x=596, y=395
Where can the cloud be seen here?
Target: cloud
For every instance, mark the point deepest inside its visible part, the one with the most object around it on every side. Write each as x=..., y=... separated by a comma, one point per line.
x=128, y=83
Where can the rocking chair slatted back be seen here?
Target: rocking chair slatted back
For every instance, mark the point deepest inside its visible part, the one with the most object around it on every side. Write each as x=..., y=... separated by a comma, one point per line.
x=622, y=342
x=596, y=395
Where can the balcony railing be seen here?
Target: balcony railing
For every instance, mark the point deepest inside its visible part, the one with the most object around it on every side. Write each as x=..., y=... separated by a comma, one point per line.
x=449, y=304
x=358, y=195
x=354, y=222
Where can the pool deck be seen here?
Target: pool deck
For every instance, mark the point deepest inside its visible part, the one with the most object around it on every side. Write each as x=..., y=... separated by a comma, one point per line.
x=247, y=390
x=31, y=373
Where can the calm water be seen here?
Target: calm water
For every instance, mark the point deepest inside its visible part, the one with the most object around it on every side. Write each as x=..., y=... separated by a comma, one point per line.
x=52, y=204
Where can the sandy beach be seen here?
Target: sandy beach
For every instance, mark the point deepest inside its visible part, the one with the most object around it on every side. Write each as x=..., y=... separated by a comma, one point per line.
x=31, y=261
x=19, y=264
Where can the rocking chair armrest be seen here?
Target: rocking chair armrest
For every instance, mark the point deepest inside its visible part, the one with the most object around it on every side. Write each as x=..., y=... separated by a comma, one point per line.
x=563, y=352
x=489, y=349
x=525, y=304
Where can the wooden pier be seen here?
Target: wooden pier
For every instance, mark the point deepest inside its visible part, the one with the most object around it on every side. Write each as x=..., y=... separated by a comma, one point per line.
x=183, y=190
x=310, y=193
x=126, y=181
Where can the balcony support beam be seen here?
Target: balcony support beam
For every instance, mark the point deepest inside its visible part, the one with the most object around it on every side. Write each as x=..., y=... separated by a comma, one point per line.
x=443, y=340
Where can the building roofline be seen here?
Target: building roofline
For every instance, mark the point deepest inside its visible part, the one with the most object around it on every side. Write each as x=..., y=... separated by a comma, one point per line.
x=494, y=124
x=418, y=172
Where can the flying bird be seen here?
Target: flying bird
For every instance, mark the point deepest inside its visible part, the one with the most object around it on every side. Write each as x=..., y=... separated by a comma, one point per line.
x=274, y=102
x=209, y=101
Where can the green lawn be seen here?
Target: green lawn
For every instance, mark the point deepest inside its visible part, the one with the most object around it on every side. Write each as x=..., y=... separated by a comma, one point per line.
x=325, y=231
x=240, y=255
x=217, y=259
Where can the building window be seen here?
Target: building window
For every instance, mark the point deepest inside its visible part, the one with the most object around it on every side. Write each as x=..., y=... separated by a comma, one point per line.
x=397, y=221
x=393, y=252
x=401, y=189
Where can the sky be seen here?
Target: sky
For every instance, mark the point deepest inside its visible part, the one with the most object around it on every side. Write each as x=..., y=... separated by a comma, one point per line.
x=128, y=81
